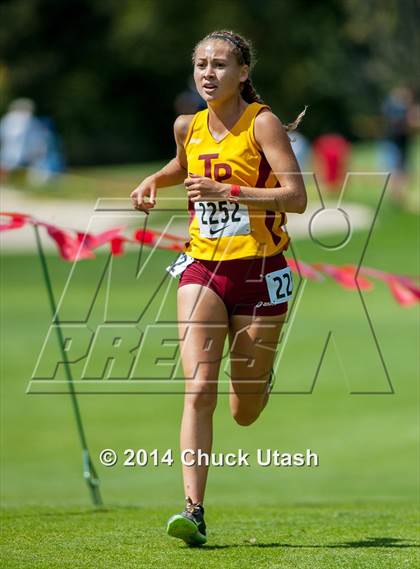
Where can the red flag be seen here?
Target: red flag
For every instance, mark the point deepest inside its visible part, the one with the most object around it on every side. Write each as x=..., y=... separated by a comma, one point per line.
x=69, y=247
x=404, y=289
x=92, y=241
x=117, y=245
x=351, y=271
x=18, y=220
x=144, y=236
x=305, y=270
x=410, y=285
x=403, y=294
x=344, y=276
x=157, y=238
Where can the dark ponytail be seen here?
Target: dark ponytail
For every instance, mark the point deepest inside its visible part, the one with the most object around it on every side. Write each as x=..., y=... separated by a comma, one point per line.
x=248, y=92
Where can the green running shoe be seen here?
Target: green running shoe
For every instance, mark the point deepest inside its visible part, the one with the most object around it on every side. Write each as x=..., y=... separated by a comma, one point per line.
x=189, y=525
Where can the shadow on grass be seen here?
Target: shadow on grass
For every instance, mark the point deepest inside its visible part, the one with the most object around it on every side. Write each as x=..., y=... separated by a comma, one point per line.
x=386, y=542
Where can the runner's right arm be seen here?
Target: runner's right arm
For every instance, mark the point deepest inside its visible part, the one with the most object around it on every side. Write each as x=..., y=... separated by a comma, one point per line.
x=172, y=174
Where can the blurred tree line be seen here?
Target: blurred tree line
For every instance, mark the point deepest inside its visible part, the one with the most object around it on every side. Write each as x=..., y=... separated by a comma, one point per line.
x=108, y=71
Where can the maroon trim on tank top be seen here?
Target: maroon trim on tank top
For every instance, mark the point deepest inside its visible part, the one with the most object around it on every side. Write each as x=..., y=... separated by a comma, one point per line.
x=264, y=170
x=191, y=211
x=270, y=216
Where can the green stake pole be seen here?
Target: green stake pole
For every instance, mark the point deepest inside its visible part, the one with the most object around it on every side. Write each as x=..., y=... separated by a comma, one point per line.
x=89, y=472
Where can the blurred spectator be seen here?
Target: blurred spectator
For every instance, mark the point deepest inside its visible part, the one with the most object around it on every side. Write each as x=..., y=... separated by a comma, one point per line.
x=48, y=160
x=301, y=148
x=189, y=101
x=331, y=156
x=397, y=112
x=16, y=142
x=28, y=142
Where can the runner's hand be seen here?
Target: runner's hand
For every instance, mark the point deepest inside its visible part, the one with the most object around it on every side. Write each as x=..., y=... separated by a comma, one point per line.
x=201, y=188
x=147, y=189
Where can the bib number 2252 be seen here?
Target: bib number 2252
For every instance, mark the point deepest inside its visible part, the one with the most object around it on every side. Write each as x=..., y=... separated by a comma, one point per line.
x=222, y=219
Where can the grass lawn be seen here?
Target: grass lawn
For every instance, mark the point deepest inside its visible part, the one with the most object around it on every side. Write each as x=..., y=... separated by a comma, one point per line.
x=356, y=509
x=374, y=536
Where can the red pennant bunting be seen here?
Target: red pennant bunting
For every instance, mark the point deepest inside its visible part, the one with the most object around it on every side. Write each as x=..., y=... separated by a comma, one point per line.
x=403, y=288
x=17, y=220
x=93, y=241
x=305, y=270
x=69, y=247
x=157, y=238
x=117, y=245
x=402, y=294
x=344, y=276
x=352, y=271
x=410, y=285
x=144, y=236
x=80, y=246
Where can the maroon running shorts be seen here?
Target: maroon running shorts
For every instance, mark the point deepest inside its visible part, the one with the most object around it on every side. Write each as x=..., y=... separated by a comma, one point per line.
x=242, y=283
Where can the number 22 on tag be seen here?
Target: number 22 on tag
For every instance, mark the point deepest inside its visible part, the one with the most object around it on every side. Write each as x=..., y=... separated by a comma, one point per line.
x=280, y=285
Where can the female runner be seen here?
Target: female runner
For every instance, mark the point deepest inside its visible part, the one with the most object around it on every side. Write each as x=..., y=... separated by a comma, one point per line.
x=236, y=162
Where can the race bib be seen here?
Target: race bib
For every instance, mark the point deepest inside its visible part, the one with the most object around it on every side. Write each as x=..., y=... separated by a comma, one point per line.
x=280, y=285
x=224, y=218
x=180, y=264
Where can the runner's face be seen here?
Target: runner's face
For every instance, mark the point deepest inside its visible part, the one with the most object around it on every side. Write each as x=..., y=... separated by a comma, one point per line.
x=217, y=73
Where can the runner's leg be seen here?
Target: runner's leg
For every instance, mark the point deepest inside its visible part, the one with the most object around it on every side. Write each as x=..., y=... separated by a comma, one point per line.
x=203, y=325
x=253, y=344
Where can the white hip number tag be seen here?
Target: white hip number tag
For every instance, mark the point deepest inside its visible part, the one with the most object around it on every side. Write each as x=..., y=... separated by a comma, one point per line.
x=222, y=219
x=280, y=285
x=180, y=264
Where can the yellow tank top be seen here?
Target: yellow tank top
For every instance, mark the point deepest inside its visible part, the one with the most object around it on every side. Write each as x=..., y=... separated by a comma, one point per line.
x=225, y=230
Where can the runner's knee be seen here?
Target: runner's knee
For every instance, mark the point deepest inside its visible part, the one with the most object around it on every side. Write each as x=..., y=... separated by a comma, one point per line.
x=201, y=396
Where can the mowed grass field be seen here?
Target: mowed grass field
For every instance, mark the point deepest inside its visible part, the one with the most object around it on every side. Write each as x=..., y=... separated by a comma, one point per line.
x=357, y=509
